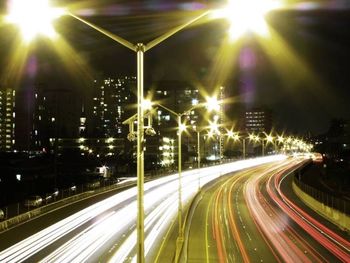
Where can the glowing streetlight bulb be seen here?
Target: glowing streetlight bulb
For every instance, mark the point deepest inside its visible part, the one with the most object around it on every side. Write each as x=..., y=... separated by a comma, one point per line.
x=213, y=104
x=247, y=16
x=269, y=138
x=34, y=17
x=182, y=127
x=251, y=137
x=230, y=134
x=214, y=128
x=146, y=104
x=280, y=139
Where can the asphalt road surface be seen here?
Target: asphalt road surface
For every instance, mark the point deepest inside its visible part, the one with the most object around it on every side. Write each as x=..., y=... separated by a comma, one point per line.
x=254, y=216
x=106, y=229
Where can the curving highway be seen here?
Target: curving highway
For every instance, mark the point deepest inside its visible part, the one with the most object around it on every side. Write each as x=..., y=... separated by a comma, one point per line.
x=105, y=231
x=254, y=216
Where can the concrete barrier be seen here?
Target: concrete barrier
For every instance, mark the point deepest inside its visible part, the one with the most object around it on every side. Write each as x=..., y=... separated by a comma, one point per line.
x=338, y=218
x=13, y=221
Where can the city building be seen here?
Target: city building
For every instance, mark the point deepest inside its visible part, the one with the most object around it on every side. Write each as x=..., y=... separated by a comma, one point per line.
x=52, y=116
x=99, y=147
x=167, y=152
x=178, y=96
x=82, y=123
x=111, y=103
x=257, y=120
x=7, y=119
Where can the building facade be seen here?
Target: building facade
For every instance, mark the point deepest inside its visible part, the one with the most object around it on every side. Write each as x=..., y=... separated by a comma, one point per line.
x=258, y=120
x=7, y=119
x=52, y=116
x=179, y=97
x=111, y=103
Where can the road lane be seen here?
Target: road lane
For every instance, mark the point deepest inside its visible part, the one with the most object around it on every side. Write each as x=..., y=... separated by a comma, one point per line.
x=248, y=218
x=228, y=235
x=105, y=231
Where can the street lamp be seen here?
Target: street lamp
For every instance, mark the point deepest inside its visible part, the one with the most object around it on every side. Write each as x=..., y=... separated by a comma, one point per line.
x=24, y=17
x=214, y=129
x=247, y=16
x=182, y=127
x=269, y=139
x=35, y=17
x=140, y=49
x=235, y=136
x=280, y=141
x=199, y=156
x=257, y=139
x=198, y=131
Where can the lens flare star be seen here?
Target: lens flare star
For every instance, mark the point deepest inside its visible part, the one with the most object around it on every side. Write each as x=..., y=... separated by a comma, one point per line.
x=33, y=17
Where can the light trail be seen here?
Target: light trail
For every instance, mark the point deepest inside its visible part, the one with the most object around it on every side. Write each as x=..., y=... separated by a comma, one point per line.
x=251, y=217
x=114, y=219
x=271, y=221
x=325, y=236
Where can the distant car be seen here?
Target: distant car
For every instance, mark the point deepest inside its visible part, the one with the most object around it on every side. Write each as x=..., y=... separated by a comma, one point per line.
x=73, y=188
x=93, y=185
x=33, y=201
x=2, y=215
x=48, y=198
x=55, y=192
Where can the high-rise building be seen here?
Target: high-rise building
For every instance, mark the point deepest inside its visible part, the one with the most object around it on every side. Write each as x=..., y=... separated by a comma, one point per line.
x=178, y=96
x=258, y=120
x=82, y=123
x=51, y=117
x=112, y=99
x=7, y=119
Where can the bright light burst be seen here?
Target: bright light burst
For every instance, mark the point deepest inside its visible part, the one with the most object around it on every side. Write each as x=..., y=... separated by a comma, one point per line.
x=182, y=127
x=147, y=104
x=34, y=17
x=247, y=16
x=212, y=104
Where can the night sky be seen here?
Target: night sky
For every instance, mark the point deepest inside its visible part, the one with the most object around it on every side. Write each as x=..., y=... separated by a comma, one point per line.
x=304, y=96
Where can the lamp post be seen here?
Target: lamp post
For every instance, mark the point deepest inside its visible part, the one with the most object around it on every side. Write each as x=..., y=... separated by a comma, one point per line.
x=199, y=158
x=214, y=129
x=270, y=139
x=280, y=140
x=236, y=137
x=244, y=148
x=35, y=15
x=198, y=131
x=181, y=128
x=35, y=12
x=262, y=147
x=140, y=49
x=257, y=139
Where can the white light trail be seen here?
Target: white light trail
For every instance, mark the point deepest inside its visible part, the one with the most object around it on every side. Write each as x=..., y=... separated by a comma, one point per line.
x=115, y=218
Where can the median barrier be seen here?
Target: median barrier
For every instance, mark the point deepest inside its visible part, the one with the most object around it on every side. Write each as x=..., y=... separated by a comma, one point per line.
x=21, y=218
